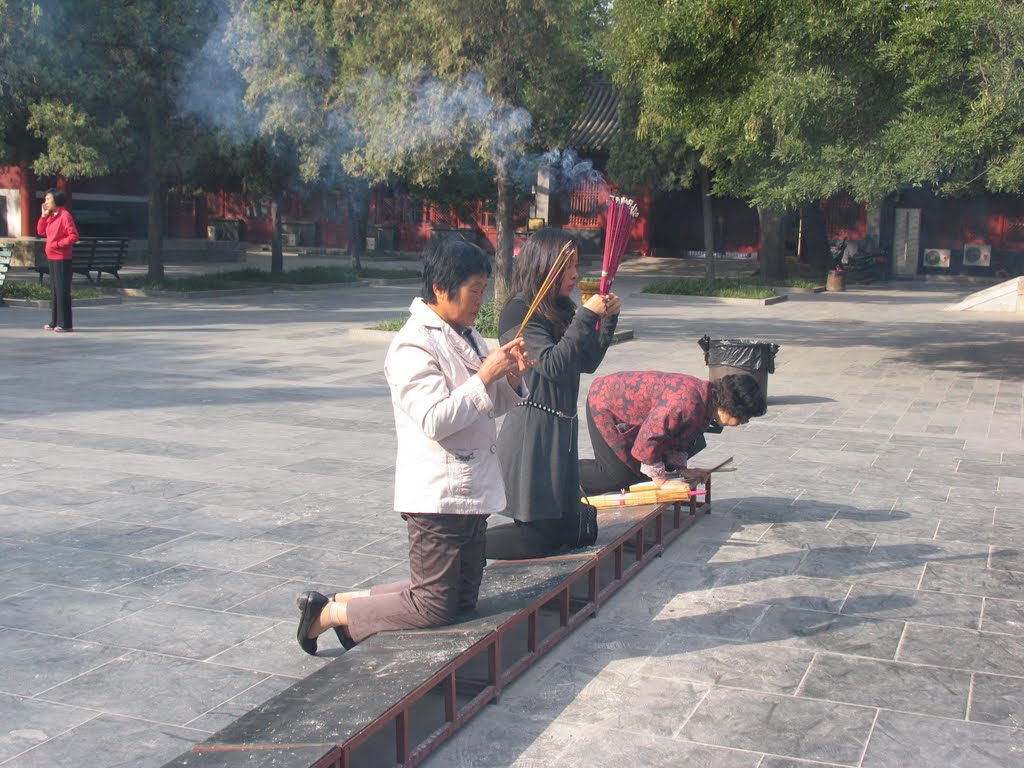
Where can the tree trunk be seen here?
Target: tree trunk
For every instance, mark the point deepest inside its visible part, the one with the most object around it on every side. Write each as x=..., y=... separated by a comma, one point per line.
x=709, y=224
x=156, y=189
x=358, y=202
x=503, y=246
x=276, y=251
x=773, y=251
x=815, y=248
x=29, y=207
x=157, y=196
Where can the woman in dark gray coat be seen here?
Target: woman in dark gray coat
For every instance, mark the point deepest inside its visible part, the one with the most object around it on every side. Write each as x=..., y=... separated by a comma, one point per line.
x=538, y=446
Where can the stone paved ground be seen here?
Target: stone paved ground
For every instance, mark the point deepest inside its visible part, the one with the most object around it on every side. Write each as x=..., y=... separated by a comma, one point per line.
x=175, y=471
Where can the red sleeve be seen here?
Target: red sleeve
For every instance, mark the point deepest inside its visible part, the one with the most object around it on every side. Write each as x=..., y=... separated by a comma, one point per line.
x=41, y=226
x=69, y=232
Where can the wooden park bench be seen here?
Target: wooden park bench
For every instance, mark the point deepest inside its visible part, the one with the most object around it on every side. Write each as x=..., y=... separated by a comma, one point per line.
x=92, y=254
x=397, y=696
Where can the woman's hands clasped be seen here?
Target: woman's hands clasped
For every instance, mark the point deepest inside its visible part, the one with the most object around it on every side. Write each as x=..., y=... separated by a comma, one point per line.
x=509, y=360
x=604, y=305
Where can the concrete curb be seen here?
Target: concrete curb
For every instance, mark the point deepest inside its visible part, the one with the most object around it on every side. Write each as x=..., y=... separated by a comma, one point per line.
x=118, y=294
x=710, y=299
x=146, y=294
x=379, y=281
x=263, y=289
x=369, y=334
x=285, y=288
x=45, y=304
x=815, y=289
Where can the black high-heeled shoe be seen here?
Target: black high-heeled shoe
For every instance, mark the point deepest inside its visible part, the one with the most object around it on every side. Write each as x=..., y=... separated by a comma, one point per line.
x=312, y=603
x=303, y=600
x=346, y=642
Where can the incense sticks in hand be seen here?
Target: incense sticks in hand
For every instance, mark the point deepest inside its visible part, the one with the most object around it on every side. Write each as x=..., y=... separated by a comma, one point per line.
x=621, y=214
x=560, y=263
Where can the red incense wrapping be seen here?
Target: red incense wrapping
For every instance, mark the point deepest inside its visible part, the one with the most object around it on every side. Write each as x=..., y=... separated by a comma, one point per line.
x=621, y=214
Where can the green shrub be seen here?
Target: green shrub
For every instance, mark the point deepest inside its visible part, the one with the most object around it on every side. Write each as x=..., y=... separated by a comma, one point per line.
x=243, y=278
x=249, y=277
x=394, y=324
x=41, y=292
x=797, y=282
x=486, y=322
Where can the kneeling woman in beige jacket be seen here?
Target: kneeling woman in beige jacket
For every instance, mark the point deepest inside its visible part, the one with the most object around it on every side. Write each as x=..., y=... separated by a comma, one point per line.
x=446, y=392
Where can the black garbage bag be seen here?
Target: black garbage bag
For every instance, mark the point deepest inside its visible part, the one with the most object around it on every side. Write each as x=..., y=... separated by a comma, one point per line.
x=740, y=353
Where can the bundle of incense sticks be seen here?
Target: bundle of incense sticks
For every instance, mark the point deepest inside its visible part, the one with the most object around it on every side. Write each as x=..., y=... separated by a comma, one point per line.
x=621, y=214
x=560, y=263
x=641, y=498
x=650, y=486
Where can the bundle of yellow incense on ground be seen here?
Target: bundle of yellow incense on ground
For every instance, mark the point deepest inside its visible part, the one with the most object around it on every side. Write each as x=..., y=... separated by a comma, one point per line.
x=639, y=495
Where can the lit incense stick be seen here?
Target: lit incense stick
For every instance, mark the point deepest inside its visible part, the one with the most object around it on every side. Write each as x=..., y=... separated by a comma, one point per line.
x=556, y=269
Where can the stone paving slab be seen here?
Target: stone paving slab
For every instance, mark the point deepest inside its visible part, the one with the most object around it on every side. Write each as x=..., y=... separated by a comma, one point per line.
x=176, y=470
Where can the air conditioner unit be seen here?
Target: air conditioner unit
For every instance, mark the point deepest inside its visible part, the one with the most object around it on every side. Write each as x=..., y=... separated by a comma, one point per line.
x=938, y=258
x=977, y=255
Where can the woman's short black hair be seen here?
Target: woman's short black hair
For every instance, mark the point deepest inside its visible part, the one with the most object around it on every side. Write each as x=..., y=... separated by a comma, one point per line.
x=58, y=196
x=448, y=263
x=740, y=396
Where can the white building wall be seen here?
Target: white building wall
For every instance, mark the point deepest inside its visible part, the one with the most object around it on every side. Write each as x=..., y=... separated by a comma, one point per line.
x=13, y=206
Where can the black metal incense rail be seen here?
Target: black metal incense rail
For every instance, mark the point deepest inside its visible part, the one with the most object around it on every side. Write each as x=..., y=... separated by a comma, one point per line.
x=396, y=697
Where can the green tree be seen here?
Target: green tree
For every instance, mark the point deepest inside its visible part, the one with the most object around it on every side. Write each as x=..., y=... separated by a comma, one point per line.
x=22, y=71
x=487, y=78
x=641, y=160
x=783, y=99
x=292, y=57
x=116, y=74
x=269, y=169
x=428, y=132
x=960, y=65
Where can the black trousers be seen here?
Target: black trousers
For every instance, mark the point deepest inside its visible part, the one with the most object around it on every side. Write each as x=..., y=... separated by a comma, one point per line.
x=60, y=284
x=524, y=541
x=606, y=472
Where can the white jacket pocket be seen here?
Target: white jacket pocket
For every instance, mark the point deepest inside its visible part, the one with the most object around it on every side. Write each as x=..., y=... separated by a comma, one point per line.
x=462, y=467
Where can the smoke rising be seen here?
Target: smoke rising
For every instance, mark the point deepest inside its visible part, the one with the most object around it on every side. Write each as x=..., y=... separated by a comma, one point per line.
x=215, y=91
x=251, y=79
x=414, y=120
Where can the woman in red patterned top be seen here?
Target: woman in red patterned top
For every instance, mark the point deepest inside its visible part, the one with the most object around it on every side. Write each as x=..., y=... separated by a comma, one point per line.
x=645, y=423
x=57, y=226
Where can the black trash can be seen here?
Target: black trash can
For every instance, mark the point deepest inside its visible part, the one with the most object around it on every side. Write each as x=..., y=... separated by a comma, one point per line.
x=727, y=356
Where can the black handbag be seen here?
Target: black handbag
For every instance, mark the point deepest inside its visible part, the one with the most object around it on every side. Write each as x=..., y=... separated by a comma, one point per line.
x=583, y=529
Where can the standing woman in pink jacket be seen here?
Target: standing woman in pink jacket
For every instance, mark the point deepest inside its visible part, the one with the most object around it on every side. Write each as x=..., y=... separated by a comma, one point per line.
x=57, y=226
